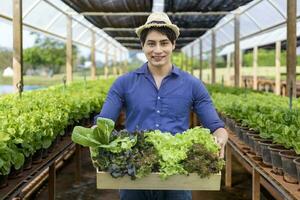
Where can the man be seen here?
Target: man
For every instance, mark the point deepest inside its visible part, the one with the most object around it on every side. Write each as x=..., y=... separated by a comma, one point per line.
x=159, y=95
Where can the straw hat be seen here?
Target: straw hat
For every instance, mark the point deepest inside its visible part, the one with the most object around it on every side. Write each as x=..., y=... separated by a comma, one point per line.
x=158, y=19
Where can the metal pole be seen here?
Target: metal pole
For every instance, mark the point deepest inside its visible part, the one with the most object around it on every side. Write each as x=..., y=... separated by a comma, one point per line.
x=237, y=50
x=93, y=57
x=291, y=47
x=277, y=68
x=213, y=57
x=255, y=53
x=69, y=63
x=201, y=60
x=17, y=46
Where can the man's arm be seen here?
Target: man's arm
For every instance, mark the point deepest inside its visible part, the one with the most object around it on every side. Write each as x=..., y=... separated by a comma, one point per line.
x=221, y=138
x=208, y=116
x=113, y=102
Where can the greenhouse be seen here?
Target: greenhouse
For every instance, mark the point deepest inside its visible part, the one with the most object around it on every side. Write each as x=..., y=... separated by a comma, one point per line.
x=150, y=99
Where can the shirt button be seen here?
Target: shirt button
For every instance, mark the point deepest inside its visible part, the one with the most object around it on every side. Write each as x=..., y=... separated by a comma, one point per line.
x=158, y=111
x=158, y=97
x=157, y=125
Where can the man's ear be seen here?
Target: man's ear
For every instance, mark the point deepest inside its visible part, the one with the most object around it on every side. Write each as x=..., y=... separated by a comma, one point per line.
x=174, y=45
x=142, y=45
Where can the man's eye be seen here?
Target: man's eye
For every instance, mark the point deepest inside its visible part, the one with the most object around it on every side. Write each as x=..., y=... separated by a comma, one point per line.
x=164, y=43
x=151, y=44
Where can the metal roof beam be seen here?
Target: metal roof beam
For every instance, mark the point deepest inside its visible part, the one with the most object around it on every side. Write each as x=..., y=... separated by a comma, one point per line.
x=217, y=13
x=31, y=8
x=133, y=29
x=137, y=39
x=53, y=21
x=275, y=6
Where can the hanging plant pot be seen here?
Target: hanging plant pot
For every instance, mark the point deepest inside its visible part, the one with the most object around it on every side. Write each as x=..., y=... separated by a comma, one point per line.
x=257, y=139
x=265, y=152
x=3, y=181
x=276, y=158
x=28, y=163
x=250, y=135
x=297, y=162
x=288, y=166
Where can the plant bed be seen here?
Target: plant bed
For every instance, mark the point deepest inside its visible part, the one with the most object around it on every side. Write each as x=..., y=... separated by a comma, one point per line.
x=154, y=182
x=289, y=167
x=276, y=159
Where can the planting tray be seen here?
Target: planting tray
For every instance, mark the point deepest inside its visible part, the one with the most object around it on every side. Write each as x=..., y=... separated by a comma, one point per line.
x=154, y=182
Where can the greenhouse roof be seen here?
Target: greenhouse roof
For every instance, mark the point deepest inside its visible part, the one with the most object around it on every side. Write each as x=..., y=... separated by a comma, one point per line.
x=50, y=17
x=119, y=18
x=262, y=22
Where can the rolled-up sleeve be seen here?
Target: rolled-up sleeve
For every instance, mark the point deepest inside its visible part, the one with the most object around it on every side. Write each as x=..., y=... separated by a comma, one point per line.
x=204, y=108
x=113, y=102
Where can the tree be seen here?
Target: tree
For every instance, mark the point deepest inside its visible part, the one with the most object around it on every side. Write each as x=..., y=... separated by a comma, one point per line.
x=47, y=53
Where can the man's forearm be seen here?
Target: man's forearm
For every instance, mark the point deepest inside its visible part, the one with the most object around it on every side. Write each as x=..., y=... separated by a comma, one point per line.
x=221, y=138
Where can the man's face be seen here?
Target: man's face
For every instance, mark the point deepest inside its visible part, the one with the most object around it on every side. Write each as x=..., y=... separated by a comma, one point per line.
x=158, y=49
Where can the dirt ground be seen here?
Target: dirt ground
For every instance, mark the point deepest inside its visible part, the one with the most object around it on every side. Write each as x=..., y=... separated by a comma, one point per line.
x=66, y=189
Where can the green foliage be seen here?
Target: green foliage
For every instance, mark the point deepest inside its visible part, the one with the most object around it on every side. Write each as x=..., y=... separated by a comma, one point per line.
x=140, y=153
x=5, y=58
x=266, y=113
x=47, y=53
x=265, y=58
x=35, y=120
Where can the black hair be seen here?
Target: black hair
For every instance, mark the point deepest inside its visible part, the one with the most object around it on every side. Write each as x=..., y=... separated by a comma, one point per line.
x=163, y=30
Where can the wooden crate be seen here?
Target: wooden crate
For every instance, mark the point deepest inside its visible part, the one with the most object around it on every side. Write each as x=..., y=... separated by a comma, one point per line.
x=154, y=182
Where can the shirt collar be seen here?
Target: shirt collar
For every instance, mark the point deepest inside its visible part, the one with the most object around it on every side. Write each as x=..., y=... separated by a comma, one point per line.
x=144, y=69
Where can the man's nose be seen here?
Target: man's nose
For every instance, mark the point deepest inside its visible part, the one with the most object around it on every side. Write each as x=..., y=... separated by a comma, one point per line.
x=158, y=49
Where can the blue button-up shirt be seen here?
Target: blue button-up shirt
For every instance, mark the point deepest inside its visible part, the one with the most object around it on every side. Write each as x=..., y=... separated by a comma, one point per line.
x=166, y=108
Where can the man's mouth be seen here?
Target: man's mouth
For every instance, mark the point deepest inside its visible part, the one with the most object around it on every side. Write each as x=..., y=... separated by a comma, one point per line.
x=158, y=58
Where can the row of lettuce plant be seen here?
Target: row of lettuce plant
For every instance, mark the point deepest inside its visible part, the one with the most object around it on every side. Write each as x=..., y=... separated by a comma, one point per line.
x=266, y=113
x=33, y=121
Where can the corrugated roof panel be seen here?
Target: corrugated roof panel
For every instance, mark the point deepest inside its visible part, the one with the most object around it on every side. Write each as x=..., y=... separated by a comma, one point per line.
x=265, y=15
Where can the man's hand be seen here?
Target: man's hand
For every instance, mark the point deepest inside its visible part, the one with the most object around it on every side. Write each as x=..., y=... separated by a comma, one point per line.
x=221, y=136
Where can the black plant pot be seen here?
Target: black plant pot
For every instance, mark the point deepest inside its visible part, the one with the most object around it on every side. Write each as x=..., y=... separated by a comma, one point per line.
x=257, y=149
x=45, y=153
x=250, y=141
x=297, y=162
x=288, y=166
x=15, y=173
x=3, y=181
x=239, y=131
x=244, y=131
x=265, y=152
x=276, y=158
x=230, y=124
x=37, y=156
x=28, y=163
